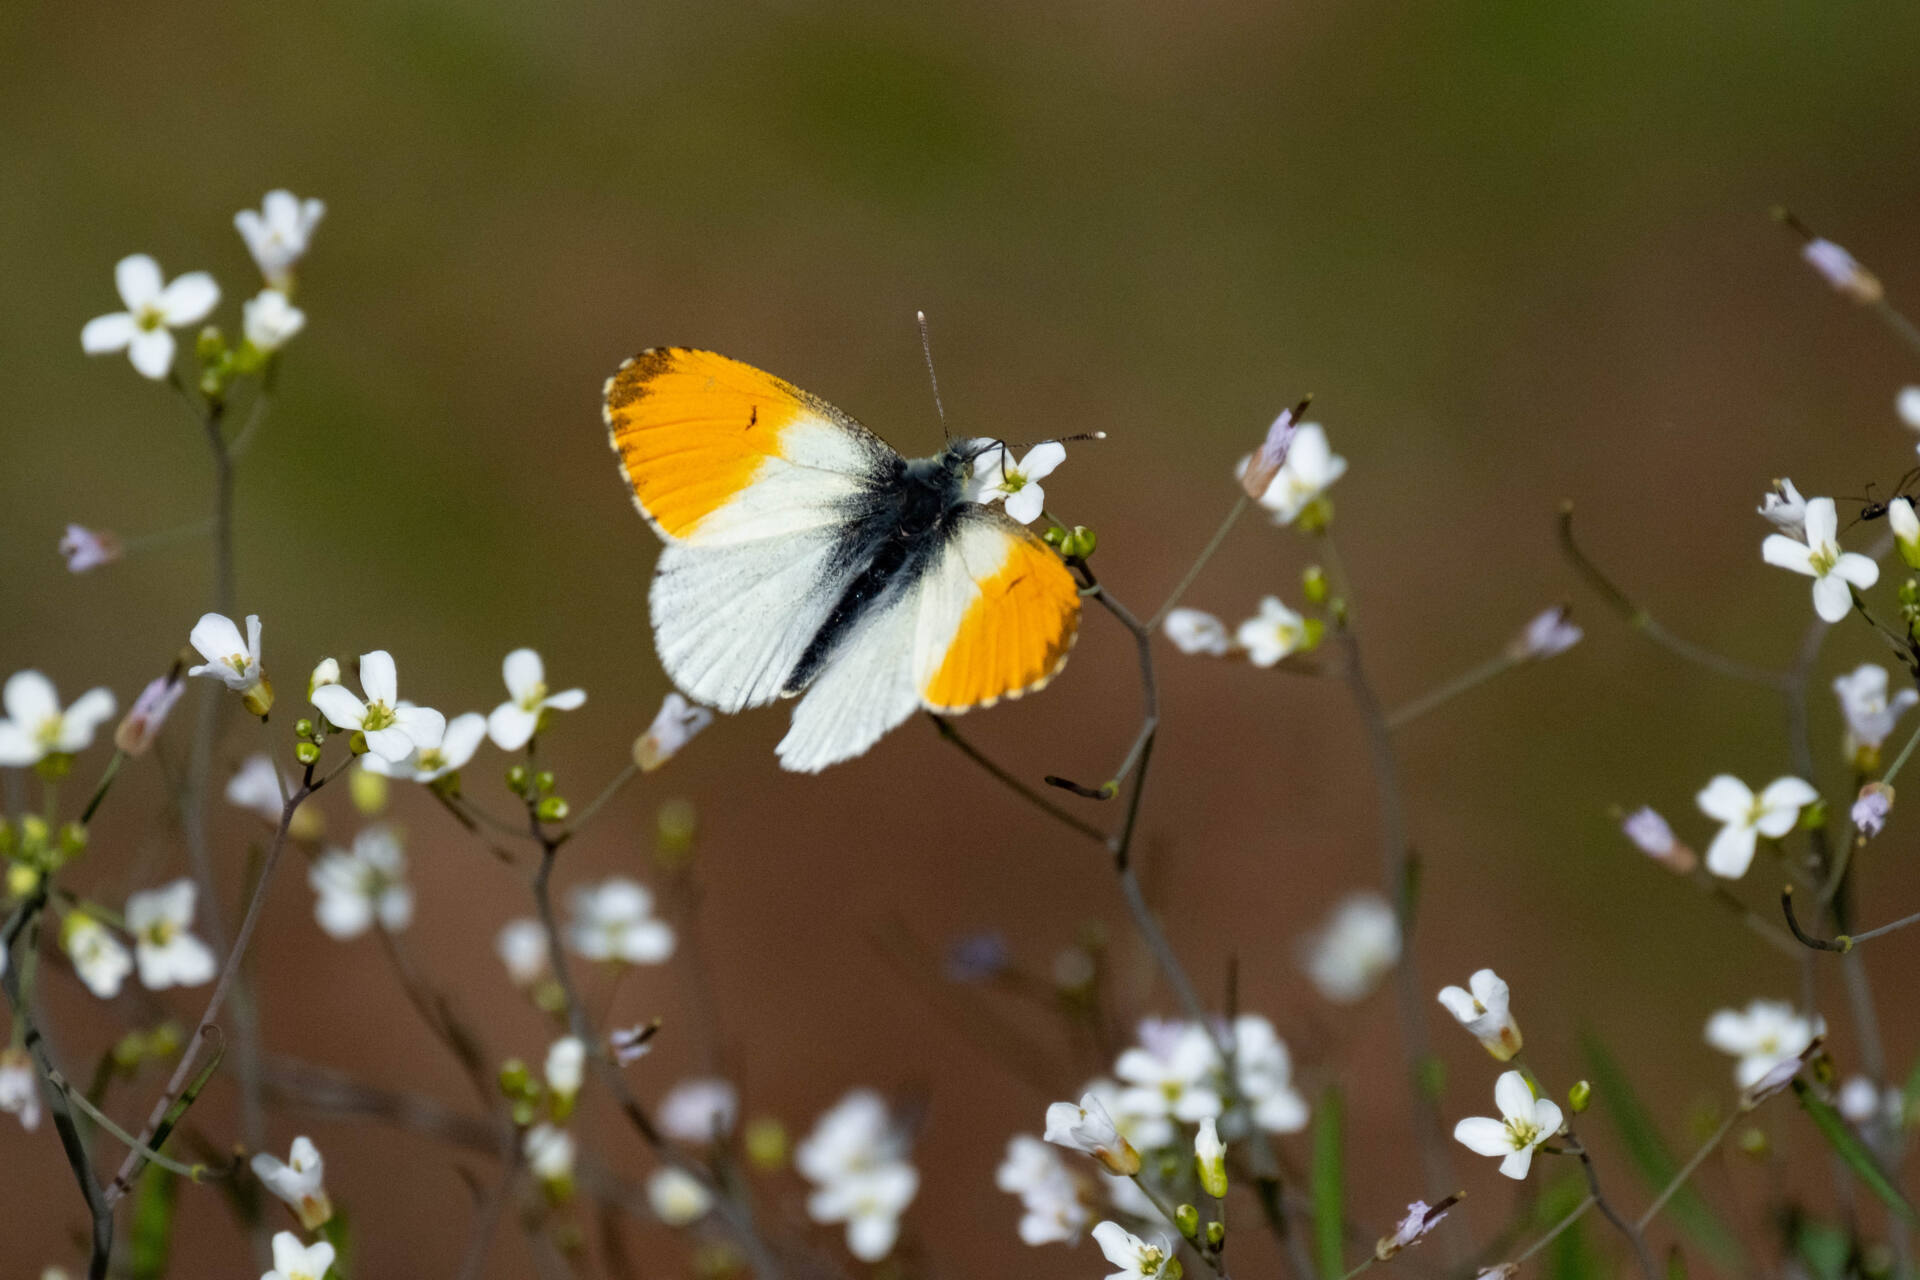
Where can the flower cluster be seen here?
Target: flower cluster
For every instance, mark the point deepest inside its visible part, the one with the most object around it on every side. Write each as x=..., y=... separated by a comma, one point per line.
x=856, y=1160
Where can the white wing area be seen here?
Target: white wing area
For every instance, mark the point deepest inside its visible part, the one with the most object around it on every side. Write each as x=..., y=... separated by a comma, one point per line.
x=730, y=621
x=865, y=690
x=820, y=466
x=875, y=679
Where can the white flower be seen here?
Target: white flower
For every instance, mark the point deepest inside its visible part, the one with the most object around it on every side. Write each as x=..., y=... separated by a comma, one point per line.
x=1525, y=1123
x=356, y=888
x=1210, y=1159
x=1258, y=470
x=149, y=712
x=1653, y=837
x=870, y=1202
x=19, y=1088
x=300, y=1182
x=253, y=788
x=1869, y=713
x=856, y=1135
x=1311, y=468
x=154, y=307
x=1197, y=631
x=434, y=755
x=1089, y=1128
x=295, y=1261
x=1264, y=1072
x=1052, y=1209
x=98, y=957
x=231, y=659
x=1484, y=1011
x=673, y=728
x=168, y=955
x=1767, y=1034
x=389, y=724
x=515, y=720
x=615, y=922
x=1171, y=1072
x=1745, y=816
x=1907, y=405
x=1273, y=633
x=1134, y=1256
x=269, y=321
x=325, y=672
x=678, y=1198
x=1906, y=530
x=1863, y=1104
x=86, y=548
x=277, y=235
x=1550, y=633
x=994, y=479
x=1838, y=268
x=1348, y=956
x=1783, y=506
x=699, y=1110
x=1870, y=809
x=36, y=727
x=566, y=1065
x=549, y=1153
x=1834, y=572
x=522, y=948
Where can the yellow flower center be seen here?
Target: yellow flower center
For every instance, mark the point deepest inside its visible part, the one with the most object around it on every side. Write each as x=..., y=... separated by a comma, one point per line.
x=379, y=716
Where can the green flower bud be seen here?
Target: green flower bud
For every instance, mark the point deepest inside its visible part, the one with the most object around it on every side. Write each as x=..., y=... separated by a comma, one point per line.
x=303, y=728
x=210, y=345
x=1079, y=543
x=358, y=743
x=543, y=781
x=514, y=1078
x=1216, y=1236
x=766, y=1140
x=517, y=779
x=1580, y=1096
x=1187, y=1218
x=552, y=809
x=308, y=752
x=1313, y=584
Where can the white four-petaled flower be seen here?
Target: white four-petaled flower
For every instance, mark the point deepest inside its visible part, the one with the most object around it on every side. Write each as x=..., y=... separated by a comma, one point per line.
x=1310, y=469
x=614, y=921
x=1136, y=1258
x=295, y=1261
x=522, y=948
x=1785, y=509
x=997, y=478
x=1834, y=572
x=98, y=957
x=1052, y=1207
x=1273, y=633
x=1525, y=1122
x=1485, y=1010
x=36, y=727
x=855, y=1158
x=1766, y=1035
x=549, y=1151
x=300, y=1181
x=702, y=1109
x=434, y=755
x=1870, y=714
x=1745, y=816
x=232, y=659
x=269, y=321
x=357, y=888
x=154, y=309
x=277, y=234
x=677, y=1197
x=20, y=1088
x=168, y=955
x=389, y=724
x=1197, y=631
x=515, y=720
x=1089, y=1128
x=1347, y=957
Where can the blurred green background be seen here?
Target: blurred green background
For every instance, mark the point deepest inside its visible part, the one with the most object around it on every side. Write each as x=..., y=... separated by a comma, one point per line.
x=1520, y=252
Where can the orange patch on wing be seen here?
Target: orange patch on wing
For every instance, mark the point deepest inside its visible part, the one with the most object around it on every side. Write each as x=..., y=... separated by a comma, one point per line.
x=1015, y=635
x=692, y=428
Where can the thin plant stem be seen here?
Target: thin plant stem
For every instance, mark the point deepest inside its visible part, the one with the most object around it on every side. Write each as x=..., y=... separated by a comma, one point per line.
x=1579, y=1211
x=1642, y=621
x=608, y=792
x=99, y=1207
x=1234, y=513
x=1687, y=1170
x=1396, y=865
x=192, y=1172
x=1902, y=923
x=1463, y=683
x=1900, y=761
x=1903, y=328
x=1014, y=784
x=222, y=986
x=1641, y=1254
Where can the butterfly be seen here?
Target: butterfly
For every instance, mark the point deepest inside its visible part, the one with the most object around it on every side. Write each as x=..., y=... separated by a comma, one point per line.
x=805, y=556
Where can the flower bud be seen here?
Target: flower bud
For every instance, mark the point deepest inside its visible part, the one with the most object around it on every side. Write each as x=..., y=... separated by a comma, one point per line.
x=767, y=1144
x=1078, y=543
x=86, y=548
x=1216, y=1235
x=142, y=724
x=514, y=1077
x=258, y=699
x=1870, y=810
x=1257, y=473
x=1187, y=1218
x=327, y=672
x=1313, y=584
x=307, y=752
x=1210, y=1159
x=1906, y=530
x=1580, y=1096
x=1839, y=269
x=552, y=809
x=1088, y=1128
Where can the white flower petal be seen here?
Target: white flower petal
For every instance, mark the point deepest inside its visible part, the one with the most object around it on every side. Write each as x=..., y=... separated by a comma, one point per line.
x=106, y=333
x=510, y=725
x=1483, y=1136
x=189, y=299
x=337, y=703
x=1726, y=799
x=151, y=351
x=1832, y=598
x=137, y=277
x=378, y=678
x=1787, y=553
x=1731, y=852
x=524, y=673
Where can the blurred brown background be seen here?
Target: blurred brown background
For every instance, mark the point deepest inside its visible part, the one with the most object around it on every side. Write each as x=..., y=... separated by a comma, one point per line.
x=1520, y=252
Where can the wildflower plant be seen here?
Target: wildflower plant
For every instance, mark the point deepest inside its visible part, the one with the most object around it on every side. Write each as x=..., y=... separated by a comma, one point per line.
x=1174, y=1146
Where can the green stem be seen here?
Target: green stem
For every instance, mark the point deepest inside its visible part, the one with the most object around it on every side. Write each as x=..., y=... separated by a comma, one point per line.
x=1463, y=683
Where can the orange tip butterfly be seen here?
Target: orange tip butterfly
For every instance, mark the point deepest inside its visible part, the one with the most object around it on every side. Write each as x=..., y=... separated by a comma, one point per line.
x=805, y=556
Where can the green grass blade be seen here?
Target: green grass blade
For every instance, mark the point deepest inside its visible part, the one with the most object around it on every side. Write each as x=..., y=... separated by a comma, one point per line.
x=1848, y=1146
x=150, y=1238
x=1329, y=1185
x=1614, y=1095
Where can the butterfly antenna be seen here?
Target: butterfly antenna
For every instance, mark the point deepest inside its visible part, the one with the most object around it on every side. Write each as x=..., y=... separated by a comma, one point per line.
x=926, y=349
